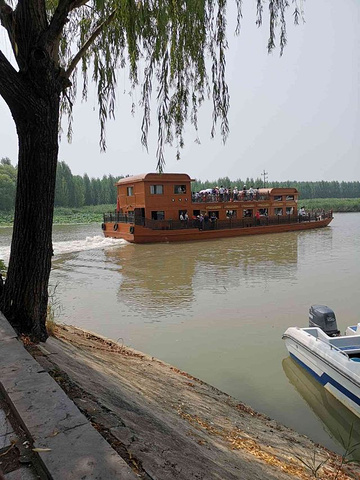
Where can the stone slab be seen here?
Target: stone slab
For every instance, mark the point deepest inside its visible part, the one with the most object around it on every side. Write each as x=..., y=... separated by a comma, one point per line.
x=6, y=330
x=43, y=406
x=22, y=473
x=76, y=449
x=5, y=425
x=7, y=434
x=82, y=453
x=15, y=362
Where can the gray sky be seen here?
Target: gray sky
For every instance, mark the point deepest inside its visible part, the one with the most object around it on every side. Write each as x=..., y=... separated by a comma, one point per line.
x=296, y=116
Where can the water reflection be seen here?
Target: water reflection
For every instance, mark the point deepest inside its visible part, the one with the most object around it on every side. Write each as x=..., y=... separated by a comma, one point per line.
x=162, y=277
x=151, y=278
x=336, y=418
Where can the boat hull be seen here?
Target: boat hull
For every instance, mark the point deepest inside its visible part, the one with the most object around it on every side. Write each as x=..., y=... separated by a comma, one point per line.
x=139, y=234
x=338, y=374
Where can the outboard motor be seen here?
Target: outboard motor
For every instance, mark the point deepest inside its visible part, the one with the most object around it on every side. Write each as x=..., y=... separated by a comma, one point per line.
x=323, y=317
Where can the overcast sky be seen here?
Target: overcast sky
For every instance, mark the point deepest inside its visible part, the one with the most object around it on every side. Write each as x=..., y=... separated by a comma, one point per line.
x=296, y=117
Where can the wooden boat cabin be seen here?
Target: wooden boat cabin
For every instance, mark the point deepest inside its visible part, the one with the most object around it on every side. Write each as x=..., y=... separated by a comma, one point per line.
x=162, y=207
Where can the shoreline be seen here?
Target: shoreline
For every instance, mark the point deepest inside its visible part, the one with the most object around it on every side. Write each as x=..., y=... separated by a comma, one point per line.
x=168, y=424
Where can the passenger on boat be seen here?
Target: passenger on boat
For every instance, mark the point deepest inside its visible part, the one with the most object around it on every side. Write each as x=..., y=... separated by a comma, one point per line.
x=201, y=221
x=251, y=193
x=244, y=192
x=302, y=214
x=221, y=193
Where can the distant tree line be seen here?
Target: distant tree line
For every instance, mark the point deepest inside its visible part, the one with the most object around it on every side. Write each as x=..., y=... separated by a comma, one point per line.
x=79, y=191
x=71, y=190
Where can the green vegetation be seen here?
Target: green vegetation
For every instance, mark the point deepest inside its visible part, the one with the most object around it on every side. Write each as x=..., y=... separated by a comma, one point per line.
x=335, y=204
x=63, y=216
x=2, y=268
x=84, y=200
x=89, y=214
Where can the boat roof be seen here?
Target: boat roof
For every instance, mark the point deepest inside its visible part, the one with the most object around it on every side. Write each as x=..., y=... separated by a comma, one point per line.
x=275, y=190
x=163, y=177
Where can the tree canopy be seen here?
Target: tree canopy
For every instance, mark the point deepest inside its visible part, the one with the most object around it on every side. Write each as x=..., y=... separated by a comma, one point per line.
x=174, y=49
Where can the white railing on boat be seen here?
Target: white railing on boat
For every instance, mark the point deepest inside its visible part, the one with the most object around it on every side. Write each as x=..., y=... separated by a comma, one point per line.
x=326, y=341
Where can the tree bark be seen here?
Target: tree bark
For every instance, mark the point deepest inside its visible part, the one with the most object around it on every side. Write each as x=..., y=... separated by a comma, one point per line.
x=25, y=295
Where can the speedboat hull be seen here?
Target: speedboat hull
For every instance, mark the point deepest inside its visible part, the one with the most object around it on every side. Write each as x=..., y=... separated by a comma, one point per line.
x=333, y=362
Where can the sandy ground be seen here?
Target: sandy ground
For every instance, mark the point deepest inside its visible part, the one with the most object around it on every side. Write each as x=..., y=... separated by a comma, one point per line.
x=169, y=425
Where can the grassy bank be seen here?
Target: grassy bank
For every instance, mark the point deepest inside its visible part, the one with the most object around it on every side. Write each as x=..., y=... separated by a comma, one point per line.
x=89, y=214
x=94, y=213
x=335, y=204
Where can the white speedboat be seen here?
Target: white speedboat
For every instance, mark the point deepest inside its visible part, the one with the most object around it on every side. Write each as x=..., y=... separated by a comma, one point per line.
x=334, y=361
x=353, y=330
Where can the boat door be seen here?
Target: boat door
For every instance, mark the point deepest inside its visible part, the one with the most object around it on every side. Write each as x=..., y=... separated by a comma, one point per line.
x=139, y=216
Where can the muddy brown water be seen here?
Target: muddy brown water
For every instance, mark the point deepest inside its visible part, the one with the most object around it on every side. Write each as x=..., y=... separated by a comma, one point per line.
x=217, y=309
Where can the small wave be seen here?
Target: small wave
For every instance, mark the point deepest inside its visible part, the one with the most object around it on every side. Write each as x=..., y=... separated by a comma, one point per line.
x=4, y=254
x=90, y=243
x=60, y=248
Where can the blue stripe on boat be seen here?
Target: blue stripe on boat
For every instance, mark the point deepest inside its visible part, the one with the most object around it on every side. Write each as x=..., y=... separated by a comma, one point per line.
x=325, y=378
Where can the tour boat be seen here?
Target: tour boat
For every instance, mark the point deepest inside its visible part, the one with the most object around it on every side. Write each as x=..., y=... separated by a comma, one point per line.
x=334, y=361
x=157, y=207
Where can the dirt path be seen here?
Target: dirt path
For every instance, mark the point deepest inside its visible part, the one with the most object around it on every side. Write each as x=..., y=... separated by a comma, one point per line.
x=169, y=425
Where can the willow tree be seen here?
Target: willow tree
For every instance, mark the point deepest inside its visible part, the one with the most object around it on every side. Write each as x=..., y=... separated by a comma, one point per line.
x=175, y=47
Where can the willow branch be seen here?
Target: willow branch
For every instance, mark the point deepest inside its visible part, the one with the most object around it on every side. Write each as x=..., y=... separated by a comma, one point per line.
x=88, y=44
x=58, y=20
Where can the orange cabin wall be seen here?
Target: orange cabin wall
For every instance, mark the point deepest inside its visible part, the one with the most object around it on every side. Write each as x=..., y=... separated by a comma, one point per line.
x=171, y=203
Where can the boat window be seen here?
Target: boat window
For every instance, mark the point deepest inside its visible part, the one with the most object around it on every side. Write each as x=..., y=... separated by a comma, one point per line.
x=263, y=212
x=277, y=198
x=248, y=212
x=231, y=213
x=289, y=197
x=179, y=189
x=289, y=210
x=157, y=215
x=278, y=211
x=156, y=189
x=182, y=214
x=213, y=213
x=130, y=191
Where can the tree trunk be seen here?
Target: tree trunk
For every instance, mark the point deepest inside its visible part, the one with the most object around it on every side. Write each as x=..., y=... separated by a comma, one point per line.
x=25, y=295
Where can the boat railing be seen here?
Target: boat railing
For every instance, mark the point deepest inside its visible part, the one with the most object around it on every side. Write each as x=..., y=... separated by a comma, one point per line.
x=331, y=345
x=215, y=224
x=208, y=223
x=119, y=217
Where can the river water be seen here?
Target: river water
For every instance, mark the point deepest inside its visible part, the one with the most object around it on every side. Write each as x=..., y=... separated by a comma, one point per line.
x=217, y=309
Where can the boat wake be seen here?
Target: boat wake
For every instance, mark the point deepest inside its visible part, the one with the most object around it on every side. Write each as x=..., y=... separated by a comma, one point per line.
x=90, y=243
x=73, y=246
